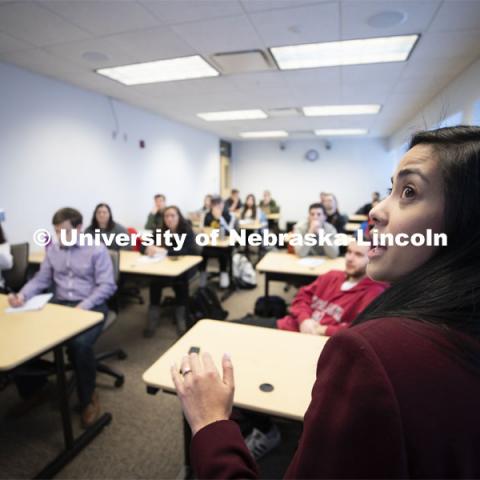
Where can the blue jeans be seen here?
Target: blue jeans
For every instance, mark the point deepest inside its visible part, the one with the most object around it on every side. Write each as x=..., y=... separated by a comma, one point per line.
x=82, y=356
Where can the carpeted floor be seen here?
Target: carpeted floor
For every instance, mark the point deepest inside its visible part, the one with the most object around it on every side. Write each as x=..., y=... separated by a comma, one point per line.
x=145, y=438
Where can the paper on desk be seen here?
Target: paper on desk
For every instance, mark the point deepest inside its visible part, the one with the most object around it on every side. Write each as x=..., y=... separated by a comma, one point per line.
x=145, y=259
x=311, y=262
x=35, y=303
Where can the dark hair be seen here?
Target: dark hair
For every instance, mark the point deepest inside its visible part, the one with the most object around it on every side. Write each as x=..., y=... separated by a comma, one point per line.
x=3, y=239
x=159, y=195
x=67, y=213
x=234, y=190
x=254, y=208
x=216, y=200
x=316, y=205
x=94, y=224
x=445, y=290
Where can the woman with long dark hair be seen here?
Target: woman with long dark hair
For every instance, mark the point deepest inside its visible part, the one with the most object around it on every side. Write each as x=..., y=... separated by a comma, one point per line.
x=6, y=259
x=174, y=222
x=397, y=394
x=103, y=222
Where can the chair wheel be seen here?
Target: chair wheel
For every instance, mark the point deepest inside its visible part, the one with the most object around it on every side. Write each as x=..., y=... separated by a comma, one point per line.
x=119, y=382
x=122, y=355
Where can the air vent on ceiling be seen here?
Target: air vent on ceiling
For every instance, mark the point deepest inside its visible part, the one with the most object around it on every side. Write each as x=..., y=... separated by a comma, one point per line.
x=284, y=112
x=244, y=61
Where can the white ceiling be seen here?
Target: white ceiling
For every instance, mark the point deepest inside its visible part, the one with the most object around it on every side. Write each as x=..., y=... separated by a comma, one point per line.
x=50, y=37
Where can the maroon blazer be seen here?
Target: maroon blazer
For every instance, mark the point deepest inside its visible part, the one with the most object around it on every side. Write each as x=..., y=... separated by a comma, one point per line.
x=393, y=398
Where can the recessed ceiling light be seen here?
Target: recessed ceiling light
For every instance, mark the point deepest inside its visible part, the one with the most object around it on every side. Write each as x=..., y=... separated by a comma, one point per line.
x=265, y=134
x=232, y=115
x=330, y=110
x=160, y=71
x=389, y=18
x=345, y=52
x=327, y=132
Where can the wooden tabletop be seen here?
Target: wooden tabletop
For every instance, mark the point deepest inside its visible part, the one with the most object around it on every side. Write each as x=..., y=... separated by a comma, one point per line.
x=36, y=257
x=285, y=360
x=273, y=216
x=358, y=218
x=287, y=263
x=352, y=227
x=24, y=335
x=133, y=262
x=253, y=225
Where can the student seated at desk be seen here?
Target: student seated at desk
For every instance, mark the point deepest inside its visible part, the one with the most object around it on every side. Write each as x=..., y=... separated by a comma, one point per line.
x=102, y=220
x=315, y=223
x=325, y=307
x=173, y=222
x=82, y=277
x=268, y=204
x=154, y=220
x=368, y=206
x=334, y=217
x=218, y=218
x=233, y=203
x=251, y=213
x=6, y=259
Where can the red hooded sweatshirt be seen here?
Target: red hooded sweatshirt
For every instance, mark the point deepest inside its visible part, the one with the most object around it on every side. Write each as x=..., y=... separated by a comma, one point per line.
x=324, y=301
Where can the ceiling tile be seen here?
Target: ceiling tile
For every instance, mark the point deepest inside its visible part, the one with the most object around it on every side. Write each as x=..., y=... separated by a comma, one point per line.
x=103, y=17
x=174, y=11
x=355, y=13
x=307, y=24
x=434, y=45
x=220, y=35
x=11, y=44
x=457, y=15
x=30, y=22
x=267, y=5
x=152, y=44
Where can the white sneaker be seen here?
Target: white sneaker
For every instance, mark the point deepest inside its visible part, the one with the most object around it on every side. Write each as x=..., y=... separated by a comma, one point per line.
x=260, y=443
x=224, y=280
x=203, y=279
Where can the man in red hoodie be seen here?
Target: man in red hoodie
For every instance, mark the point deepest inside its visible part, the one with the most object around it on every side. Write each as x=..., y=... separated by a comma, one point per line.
x=334, y=299
x=324, y=307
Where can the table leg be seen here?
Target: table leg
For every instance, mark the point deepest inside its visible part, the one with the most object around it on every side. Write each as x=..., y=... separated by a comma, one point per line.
x=267, y=282
x=73, y=446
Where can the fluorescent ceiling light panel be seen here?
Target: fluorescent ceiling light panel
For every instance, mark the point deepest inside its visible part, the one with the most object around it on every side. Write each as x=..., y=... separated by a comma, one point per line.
x=330, y=110
x=160, y=71
x=345, y=52
x=265, y=134
x=327, y=132
x=232, y=115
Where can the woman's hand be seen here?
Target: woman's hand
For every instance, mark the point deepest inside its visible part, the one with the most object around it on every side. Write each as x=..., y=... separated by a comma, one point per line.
x=204, y=395
x=309, y=326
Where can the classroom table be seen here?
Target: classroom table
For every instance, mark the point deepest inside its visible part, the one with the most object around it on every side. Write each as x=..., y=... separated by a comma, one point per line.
x=352, y=227
x=273, y=216
x=36, y=257
x=262, y=358
x=358, y=218
x=288, y=267
x=26, y=335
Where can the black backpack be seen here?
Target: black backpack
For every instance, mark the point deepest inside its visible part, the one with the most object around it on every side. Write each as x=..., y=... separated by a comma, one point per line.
x=271, y=306
x=205, y=304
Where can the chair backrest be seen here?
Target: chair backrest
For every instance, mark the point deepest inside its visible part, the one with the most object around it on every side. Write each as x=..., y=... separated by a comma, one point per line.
x=16, y=277
x=138, y=243
x=115, y=257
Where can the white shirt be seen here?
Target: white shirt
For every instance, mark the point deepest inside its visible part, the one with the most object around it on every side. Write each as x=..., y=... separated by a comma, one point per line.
x=6, y=260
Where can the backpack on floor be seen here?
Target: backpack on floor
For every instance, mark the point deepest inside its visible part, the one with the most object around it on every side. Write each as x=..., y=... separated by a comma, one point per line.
x=271, y=306
x=244, y=274
x=205, y=304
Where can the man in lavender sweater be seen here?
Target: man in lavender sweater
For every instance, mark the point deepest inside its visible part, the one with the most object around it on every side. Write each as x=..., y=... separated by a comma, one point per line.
x=81, y=277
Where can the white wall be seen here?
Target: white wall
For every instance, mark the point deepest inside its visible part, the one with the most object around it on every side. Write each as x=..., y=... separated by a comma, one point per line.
x=56, y=149
x=459, y=96
x=351, y=169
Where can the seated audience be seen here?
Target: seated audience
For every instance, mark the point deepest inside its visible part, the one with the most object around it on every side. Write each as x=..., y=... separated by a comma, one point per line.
x=268, y=204
x=102, y=220
x=218, y=218
x=368, y=206
x=233, y=203
x=82, y=277
x=173, y=222
x=334, y=217
x=6, y=259
x=324, y=307
x=315, y=223
x=251, y=213
x=154, y=220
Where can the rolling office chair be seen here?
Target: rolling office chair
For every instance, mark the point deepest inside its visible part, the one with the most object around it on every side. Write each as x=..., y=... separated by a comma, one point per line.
x=16, y=277
x=109, y=321
x=132, y=290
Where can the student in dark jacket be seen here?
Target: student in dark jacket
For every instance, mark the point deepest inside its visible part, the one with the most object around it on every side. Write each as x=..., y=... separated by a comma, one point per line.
x=173, y=222
x=396, y=395
x=368, y=206
x=334, y=217
x=155, y=217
